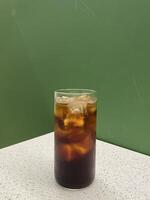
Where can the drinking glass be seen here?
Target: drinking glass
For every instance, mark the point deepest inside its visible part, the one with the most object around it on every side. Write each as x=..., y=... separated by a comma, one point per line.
x=75, y=137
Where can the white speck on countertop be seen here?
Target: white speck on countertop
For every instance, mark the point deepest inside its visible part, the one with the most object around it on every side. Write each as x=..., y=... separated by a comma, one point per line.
x=26, y=173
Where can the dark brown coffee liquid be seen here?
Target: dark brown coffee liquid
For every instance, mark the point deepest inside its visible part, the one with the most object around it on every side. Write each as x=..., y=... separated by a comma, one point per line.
x=75, y=174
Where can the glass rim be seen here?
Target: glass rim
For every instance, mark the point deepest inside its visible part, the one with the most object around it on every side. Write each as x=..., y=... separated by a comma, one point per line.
x=75, y=91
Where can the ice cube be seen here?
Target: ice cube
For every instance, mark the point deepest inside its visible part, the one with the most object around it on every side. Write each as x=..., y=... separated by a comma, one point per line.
x=91, y=108
x=84, y=146
x=76, y=120
x=91, y=100
x=66, y=151
x=83, y=98
x=73, y=151
x=79, y=149
x=61, y=110
x=62, y=132
x=77, y=107
x=74, y=107
x=87, y=99
x=62, y=99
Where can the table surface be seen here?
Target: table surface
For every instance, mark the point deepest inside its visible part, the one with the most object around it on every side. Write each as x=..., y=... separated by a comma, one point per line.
x=27, y=173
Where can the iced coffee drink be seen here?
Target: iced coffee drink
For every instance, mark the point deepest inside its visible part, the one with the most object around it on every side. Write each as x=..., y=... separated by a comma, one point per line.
x=75, y=137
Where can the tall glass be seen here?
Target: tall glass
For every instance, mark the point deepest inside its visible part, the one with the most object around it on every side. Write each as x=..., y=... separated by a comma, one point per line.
x=75, y=137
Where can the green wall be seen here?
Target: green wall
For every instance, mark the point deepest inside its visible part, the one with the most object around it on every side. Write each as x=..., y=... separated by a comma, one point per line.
x=50, y=44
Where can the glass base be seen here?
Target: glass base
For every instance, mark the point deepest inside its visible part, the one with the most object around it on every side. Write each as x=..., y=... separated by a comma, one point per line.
x=72, y=186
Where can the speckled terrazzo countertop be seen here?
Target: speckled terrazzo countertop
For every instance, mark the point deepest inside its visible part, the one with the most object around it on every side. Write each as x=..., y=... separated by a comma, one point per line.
x=26, y=173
